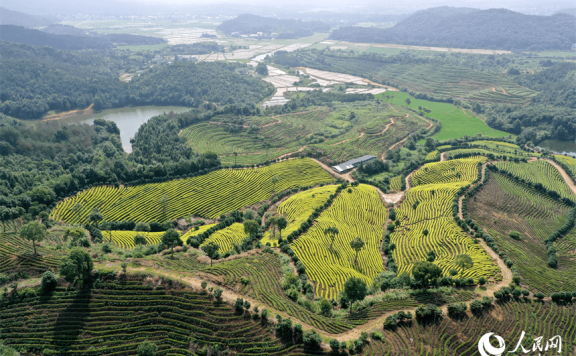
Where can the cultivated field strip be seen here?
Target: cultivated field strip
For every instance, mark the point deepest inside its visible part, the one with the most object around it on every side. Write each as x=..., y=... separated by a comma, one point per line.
x=209, y=195
x=18, y=254
x=569, y=162
x=193, y=232
x=297, y=209
x=539, y=172
x=356, y=213
x=115, y=318
x=227, y=238
x=125, y=239
x=428, y=206
x=502, y=206
x=459, y=337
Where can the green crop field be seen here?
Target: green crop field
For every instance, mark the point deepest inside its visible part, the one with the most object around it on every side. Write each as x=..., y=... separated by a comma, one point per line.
x=297, y=209
x=209, y=195
x=356, y=213
x=194, y=232
x=539, y=172
x=17, y=254
x=456, y=123
x=428, y=206
x=568, y=162
x=438, y=80
x=114, y=318
x=346, y=130
x=125, y=239
x=503, y=206
x=228, y=237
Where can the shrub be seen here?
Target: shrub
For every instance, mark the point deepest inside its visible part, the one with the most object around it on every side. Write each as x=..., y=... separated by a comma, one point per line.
x=455, y=309
x=515, y=235
x=476, y=307
x=147, y=348
x=49, y=282
x=334, y=345
x=312, y=340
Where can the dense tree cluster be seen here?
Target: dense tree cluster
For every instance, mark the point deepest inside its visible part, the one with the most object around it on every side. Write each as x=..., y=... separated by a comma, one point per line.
x=35, y=80
x=471, y=28
x=251, y=24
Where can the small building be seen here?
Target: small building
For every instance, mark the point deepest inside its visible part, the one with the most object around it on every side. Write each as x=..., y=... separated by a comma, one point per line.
x=353, y=163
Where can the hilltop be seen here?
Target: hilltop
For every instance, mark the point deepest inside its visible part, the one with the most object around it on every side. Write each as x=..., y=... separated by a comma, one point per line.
x=472, y=28
x=248, y=24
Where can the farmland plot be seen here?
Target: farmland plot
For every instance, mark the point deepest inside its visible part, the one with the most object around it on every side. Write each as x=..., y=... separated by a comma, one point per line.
x=503, y=206
x=209, y=195
x=428, y=206
x=356, y=213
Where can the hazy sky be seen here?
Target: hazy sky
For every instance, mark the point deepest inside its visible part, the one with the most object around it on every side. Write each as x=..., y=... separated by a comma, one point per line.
x=264, y=7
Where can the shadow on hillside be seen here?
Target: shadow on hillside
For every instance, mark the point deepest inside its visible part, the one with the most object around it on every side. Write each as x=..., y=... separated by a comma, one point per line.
x=70, y=321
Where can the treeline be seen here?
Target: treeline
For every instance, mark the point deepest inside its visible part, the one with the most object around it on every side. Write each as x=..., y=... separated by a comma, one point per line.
x=41, y=164
x=251, y=24
x=471, y=28
x=35, y=80
x=72, y=41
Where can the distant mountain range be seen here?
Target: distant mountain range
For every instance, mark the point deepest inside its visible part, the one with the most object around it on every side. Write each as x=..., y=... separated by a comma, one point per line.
x=71, y=38
x=472, y=28
x=9, y=17
x=251, y=24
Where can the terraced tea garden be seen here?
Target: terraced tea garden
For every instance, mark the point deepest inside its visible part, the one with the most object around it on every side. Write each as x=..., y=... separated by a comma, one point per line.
x=503, y=206
x=125, y=239
x=209, y=195
x=227, y=238
x=460, y=336
x=115, y=316
x=539, y=172
x=297, y=209
x=339, y=132
x=356, y=212
x=426, y=222
x=17, y=254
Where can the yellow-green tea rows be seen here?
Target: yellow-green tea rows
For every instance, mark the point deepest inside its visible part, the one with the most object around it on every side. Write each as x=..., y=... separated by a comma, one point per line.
x=209, y=195
x=359, y=213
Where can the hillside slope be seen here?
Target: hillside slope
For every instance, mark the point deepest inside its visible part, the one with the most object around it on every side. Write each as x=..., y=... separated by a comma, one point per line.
x=250, y=24
x=472, y=28
x=9, y=17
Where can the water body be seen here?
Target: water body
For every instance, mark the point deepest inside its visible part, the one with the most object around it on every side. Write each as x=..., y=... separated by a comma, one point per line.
x=128, y=119
x=562, y=147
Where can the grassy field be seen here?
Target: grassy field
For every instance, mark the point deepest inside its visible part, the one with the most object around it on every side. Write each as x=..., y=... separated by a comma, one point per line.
x=358, y=212
x=456, y=123
x=209, y=195
x=502, y=206
x=428, y=206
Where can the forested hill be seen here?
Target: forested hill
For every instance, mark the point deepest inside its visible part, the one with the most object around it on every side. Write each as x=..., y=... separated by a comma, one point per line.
x=71, y=38
x=250, y=24
x=472, y=28
x=9, y=17
x=34, y=80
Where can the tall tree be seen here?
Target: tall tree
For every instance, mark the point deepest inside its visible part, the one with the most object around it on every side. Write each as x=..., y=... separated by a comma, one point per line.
x=33, y=231
x=464, y=261
x=281, y=223
x=95, y=217
x=354, y=289
x=171, y=238
x=77, y=266
x=211, y=250
x=426, y=273
x=273, y=223
x=357, y=245
x=251, y=227
x=331, y=231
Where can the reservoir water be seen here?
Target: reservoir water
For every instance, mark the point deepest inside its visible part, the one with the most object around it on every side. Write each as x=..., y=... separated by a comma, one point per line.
x=128, y=119
x=562, y=147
